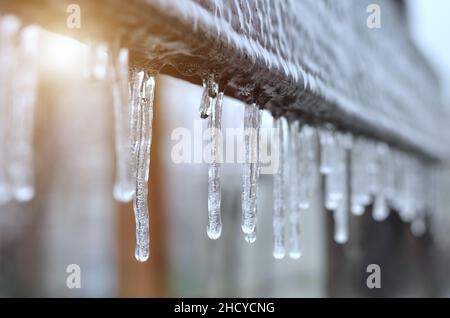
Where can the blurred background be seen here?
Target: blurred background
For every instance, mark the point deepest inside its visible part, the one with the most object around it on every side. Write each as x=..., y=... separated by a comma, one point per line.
x=75, y=220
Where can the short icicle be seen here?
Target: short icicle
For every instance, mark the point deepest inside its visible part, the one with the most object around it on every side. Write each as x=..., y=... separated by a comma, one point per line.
x=144, y=141
x=209, y=95
x=326, y=147
x=380, y=208
x=307, y=157
x=214, y=228
x=25, y=89
x=279, y=208
x=251, y=167
x=97, y=61
x=124, y=186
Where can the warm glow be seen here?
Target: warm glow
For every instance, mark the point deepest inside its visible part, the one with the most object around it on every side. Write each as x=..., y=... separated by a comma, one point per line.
x=62, y=54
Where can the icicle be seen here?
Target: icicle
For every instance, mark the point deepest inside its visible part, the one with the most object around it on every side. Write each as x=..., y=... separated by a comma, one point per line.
x=389, y=175
x=144, y=141
x=400, y=178
x=251, y=237
x=380, y=209
x=407, y=194
x=293, y=189
x=25, y=91
x=211, y=106
x=9, y=26
x=333, y=188
x=124, y=184
x=136, y=82
x=279, y=207
x=306, y=166
x=371, y=152
x=210, y=91
x=358, y=196
x=341, y=212
x=97, y=61
x=418, y=226
x=214, y=228
x=326, y=147
x=251, y=167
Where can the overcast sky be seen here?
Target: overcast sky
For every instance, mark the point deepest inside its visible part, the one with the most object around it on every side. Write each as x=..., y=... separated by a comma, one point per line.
x=430, y=25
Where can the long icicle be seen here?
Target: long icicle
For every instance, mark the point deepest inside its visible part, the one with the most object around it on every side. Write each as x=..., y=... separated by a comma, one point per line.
x=144, y=142
x=252, y=119
x=9, y=26
x=136, y=78
x=255, y=158
x=279, y=218
x=341, y=213
x=21, y=165
x=124, y=186
x=294, y=190
x=333, y=189
x=358, y=196
x=214, y=228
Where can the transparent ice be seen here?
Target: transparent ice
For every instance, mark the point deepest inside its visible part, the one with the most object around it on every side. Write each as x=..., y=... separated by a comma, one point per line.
x=251, y=167
x=144, y=141
x=214, y=228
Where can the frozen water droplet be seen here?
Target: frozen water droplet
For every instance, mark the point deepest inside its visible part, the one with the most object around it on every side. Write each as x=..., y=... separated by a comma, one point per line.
x=214, y=228
x=251, y=167
x=124, y=186
x=144, y=141
x=358, y=209
x=279, y=207
x=24, y=193
x=380, y=209
x=418, y=227
x=340, y=236
x=294, y=254
x=251, y=238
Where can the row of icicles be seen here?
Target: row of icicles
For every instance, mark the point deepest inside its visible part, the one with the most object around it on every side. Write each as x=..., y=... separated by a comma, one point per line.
x=358, y=172
x=379, y=174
